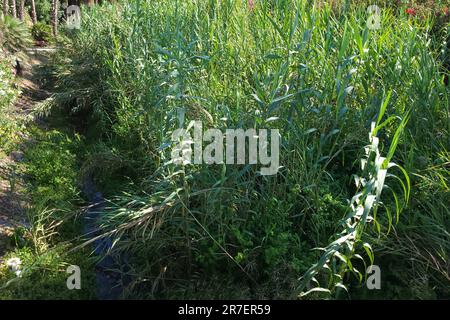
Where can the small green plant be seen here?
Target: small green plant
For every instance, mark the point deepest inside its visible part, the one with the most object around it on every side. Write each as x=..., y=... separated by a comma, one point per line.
x=41, y=32
x=43, y=275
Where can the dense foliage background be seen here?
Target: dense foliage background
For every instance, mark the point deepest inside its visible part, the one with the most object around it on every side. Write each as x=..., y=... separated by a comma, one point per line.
x=316, y=72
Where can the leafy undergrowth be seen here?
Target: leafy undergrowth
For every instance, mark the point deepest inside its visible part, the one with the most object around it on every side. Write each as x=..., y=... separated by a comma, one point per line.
x=47, y=166
x=337, y=91
x=44, y=275
x=8, y=127
x=50, y=168
x=321, y=78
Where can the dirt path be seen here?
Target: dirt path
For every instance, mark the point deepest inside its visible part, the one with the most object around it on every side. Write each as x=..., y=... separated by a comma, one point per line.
x=13, y=198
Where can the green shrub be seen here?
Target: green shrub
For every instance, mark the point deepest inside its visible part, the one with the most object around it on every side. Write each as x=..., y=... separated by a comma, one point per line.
x=14, y=35
x=41, y=32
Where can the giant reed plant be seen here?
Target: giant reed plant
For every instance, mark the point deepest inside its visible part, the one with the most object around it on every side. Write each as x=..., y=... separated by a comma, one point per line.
x=336, y=259
x=316, y=74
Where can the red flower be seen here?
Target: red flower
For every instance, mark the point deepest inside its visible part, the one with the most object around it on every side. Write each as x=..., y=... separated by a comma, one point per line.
x=446, y=11
x=411, y=11
x=251, y=5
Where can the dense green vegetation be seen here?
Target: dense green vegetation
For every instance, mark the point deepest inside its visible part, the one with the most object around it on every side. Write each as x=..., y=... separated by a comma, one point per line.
x=337, y=91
